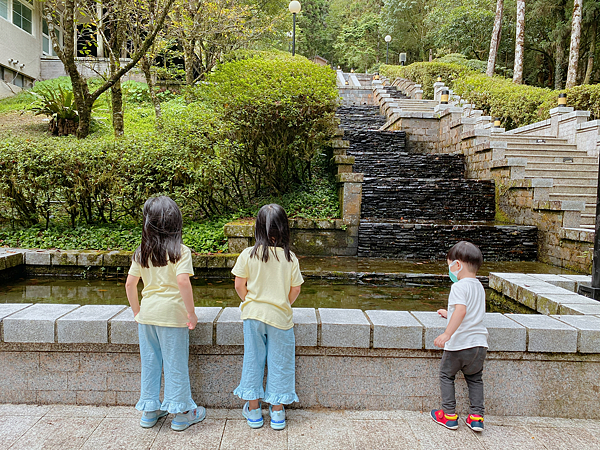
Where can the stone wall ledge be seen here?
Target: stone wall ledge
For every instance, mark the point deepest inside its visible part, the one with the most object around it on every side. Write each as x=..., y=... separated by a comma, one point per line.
x=319, y=328
x=547, y=294
x=577, y=234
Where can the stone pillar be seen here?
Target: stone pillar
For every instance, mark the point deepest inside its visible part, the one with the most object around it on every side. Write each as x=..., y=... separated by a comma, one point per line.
x=555, y=114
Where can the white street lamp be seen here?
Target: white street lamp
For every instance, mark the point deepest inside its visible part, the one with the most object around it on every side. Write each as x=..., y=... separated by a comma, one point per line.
x=388, y=38
x=294, y=9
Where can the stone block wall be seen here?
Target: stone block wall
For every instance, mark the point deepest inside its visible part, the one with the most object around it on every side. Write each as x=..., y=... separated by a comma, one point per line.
x=537, y=365
x=356, y=95
x=431, y=241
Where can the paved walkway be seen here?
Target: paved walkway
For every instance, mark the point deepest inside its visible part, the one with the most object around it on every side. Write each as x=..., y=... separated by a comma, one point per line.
x=89, y=427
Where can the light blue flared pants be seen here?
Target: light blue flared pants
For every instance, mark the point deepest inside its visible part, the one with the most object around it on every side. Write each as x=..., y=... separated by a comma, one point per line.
x=165, y=348
x=277, y=348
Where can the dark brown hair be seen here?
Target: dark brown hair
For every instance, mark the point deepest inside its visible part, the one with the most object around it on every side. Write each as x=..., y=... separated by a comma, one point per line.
x=272, y=230
x=161, y=235
x=467, y=253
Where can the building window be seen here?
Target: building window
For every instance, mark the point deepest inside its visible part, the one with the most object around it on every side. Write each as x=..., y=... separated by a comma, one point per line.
x=47, y=48
x=22, y=12
x=4, y=8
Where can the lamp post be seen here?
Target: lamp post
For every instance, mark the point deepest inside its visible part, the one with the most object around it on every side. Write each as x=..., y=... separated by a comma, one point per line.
x=388, y=38
x=294, y=9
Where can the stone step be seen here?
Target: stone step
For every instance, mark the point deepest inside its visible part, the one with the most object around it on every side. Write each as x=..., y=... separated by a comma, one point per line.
x=551, y=158
x=530, y=139
x=407, y=164
x=574, y=189
x=574, y=180
x=548, y=146
x=563, y=171
x=396, y=239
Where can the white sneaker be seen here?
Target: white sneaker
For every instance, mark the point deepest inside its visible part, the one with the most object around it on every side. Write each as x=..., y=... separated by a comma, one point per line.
x=277, y=418
x=183, y=421
x=149, y=418
x=254, y=418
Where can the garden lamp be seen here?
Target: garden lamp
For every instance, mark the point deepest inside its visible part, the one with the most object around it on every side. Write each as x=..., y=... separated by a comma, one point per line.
x=294, y=9
x=562, y=99
x=388, y=38
x=444, y=97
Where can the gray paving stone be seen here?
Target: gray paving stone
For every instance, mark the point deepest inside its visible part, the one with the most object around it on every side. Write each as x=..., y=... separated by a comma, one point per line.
x=11, y=259
x=505, y=335
x=230, y=327
x=305, y=327
x=434, y=325
x=118, y=258
x=6, y=309
x=588, y=332
x=585, y=280
x=527, y=293
x=344, y=328
x=499, y=281
x=90, y=258
x=64, y=257
x=34, y=324
x=88, y=324
x=37, y=258
x=545, y=334
x=551, y=303
x=203, y=333
x=587, y=309
x=556, y=280
x=124, y=328
x=395, y=329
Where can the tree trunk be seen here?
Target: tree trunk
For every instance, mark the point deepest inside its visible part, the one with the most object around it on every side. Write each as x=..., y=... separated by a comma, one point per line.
x=155, y=102
x=590, y=63
x=519, y=43
x=188, y=58
x=495, y=42
x=575, y=40
x=116, y=96
x=558, y=71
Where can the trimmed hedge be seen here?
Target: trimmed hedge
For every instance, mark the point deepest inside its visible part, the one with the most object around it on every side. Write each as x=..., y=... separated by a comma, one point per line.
x=516, y=105
x=426, y=73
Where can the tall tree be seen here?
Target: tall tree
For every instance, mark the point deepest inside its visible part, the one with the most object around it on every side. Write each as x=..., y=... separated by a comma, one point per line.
x=66, y=14
x=495, y=41
x=575, y=41
x=519, y=43
x=592, y=51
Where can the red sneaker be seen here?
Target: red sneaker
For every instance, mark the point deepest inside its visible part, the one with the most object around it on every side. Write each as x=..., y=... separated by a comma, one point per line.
x=475, y=422
x=448, y=420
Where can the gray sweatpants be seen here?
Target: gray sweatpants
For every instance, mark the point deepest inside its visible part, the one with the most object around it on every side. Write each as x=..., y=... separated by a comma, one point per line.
x=470, y=362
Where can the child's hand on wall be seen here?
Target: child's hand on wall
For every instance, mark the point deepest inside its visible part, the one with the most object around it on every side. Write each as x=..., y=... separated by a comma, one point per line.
x=193, y=321
x=441, y=340
x=443, y=313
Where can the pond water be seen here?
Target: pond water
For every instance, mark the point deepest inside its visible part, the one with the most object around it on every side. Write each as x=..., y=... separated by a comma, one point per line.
x=211, y=292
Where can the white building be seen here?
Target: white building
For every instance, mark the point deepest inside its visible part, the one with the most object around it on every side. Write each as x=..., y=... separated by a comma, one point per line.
x=26, y=53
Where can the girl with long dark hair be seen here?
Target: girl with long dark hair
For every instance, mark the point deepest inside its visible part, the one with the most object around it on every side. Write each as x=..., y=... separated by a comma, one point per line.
x=268, y=279
x=165, y=316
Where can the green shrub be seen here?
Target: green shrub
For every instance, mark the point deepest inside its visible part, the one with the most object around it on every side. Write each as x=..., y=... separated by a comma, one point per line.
x=582, y=98
x=425, y=74
x=138, y=92
x=460, y=59
x=515, y=104
x=207, y=236
x=280, y=114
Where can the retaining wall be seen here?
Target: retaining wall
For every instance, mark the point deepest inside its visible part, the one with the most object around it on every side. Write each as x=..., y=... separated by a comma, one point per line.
x=537, y=365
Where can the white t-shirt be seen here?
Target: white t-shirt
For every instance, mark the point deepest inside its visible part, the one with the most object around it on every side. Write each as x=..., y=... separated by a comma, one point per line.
x=471, y=332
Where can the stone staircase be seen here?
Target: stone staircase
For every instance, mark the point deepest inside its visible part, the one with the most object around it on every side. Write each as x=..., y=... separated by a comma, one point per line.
x=417, y=205
x=574, y=173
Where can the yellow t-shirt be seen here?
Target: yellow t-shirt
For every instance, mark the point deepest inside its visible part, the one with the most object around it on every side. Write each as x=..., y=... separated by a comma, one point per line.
x=268, y=286
x=162, y=304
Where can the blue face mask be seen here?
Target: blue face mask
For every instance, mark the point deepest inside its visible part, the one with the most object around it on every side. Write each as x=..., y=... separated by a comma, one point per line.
x=453, y=275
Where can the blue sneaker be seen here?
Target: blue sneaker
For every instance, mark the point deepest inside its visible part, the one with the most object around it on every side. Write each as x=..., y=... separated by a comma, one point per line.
x=254, y=418
x=277, y=418
x=149, y=418
x=183, y=421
